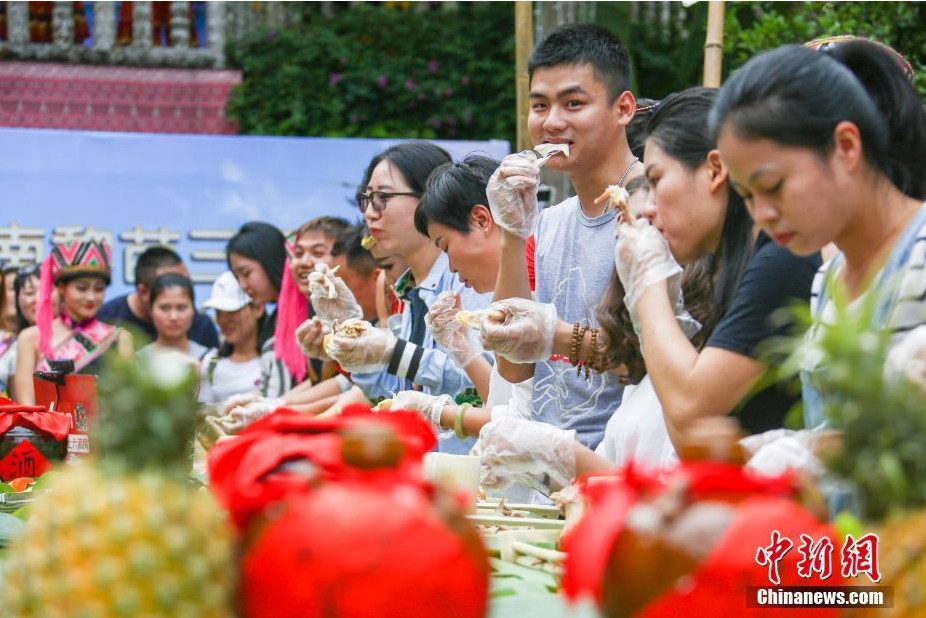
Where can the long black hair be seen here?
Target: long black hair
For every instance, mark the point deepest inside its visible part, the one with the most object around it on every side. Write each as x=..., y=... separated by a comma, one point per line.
x=23, y=276
x=796, y=97
x=679, y=127
x=451, y=192
x=264, y=244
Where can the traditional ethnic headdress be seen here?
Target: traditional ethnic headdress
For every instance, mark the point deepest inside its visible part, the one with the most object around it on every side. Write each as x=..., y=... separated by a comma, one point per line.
x=292, y=311
x=68, y=260
x=828, y=42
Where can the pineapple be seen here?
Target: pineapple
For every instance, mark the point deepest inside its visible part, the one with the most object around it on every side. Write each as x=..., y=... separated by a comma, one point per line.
x=124, y=533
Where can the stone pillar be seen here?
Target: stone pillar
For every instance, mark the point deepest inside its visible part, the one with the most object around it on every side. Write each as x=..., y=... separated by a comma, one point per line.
x=180, y=24
x=215, y=30
x=17, y=20
x=141, y=25
x=104, y=25
x=62, y=23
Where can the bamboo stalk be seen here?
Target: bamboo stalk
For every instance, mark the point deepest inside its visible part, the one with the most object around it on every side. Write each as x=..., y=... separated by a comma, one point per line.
x=713, y=45
x=549, y=555
x=523, y=45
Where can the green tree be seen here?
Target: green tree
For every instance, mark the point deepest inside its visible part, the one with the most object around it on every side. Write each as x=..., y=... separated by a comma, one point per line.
x=374, y=71
x=753, y=27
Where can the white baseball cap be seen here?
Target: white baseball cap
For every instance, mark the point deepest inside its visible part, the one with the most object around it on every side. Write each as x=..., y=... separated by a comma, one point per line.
x=227, y=295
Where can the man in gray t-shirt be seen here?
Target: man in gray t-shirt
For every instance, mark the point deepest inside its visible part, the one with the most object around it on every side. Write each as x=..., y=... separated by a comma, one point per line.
x=579, y=77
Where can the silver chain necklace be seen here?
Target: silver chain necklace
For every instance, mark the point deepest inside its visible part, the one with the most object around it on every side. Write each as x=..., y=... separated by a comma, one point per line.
x=620, y=183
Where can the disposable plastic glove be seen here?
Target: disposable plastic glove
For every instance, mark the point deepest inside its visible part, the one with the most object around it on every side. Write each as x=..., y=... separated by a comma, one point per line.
x=512, y=193
x=330, y=296
x=311, y=336
x=908, y=359
x=428, y=406
x=776, y=451
x=242, y=416
x=518, y=329
x=235, y=401
x=642, y=258
x=452, y=335
x=363, y=352
x=535, y=454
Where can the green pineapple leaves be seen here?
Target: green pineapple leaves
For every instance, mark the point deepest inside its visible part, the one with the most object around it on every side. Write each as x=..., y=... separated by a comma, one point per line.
x=147, y=414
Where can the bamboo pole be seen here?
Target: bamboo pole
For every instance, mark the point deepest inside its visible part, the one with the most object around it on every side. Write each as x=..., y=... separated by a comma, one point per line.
x=713, y=45
x=523, y=45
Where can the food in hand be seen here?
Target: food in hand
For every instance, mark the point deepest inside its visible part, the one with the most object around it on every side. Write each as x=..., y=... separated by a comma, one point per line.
x=617, y=196
x=319, y=276
x=545, y=152
x=473, y=319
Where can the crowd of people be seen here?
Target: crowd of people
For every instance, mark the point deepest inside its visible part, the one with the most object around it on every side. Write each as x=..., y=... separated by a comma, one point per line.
x=560, y=341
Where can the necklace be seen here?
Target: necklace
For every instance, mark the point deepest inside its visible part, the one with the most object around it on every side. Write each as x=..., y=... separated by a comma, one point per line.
x=620, y=183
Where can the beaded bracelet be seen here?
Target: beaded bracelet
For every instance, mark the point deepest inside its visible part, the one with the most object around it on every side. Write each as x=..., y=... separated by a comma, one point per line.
x=578, y=334
x=592, y=362
x=458, y=421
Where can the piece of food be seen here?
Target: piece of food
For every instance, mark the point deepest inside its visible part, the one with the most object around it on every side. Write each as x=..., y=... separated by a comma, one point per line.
x=547, y=151
x=473, y=319
x=383, y=406
x=616, y=196
x=325, y=276
x=350, y=329
x=368, y=242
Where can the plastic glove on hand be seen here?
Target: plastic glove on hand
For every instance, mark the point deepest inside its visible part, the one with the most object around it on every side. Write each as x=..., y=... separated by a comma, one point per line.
x=235, y=401
x=311, y=336
x=517, y=329
x=908, y=358
x=450, y=333
x=428, y=406
x=242, y=416
x=330, y=296
x=642, y=258
x=535, y=454
x=360, y=347
x=512, y=193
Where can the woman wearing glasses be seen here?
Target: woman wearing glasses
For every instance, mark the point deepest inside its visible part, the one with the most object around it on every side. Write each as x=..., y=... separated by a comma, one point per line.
x=383, y=363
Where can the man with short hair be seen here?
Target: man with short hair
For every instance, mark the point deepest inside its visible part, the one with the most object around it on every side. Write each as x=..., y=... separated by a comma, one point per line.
x=579, y=80
x=358, y=269
x=133, y=310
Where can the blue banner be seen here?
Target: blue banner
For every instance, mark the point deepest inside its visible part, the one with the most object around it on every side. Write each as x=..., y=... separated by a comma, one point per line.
x=188, y=191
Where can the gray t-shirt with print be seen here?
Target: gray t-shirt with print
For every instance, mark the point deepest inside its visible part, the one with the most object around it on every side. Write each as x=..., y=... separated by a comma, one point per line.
x=574, y=259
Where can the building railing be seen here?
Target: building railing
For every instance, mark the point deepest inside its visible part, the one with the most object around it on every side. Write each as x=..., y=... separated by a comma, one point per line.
x=106, y=49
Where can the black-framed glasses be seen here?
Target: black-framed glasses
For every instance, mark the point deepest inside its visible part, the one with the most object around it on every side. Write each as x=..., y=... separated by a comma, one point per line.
x=378, y=199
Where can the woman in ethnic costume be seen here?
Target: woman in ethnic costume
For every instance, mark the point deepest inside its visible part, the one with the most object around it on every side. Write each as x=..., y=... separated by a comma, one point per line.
x=80, y=271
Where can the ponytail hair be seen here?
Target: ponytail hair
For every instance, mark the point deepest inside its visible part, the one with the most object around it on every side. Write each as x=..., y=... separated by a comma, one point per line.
x=795, y=97
x=883, y=74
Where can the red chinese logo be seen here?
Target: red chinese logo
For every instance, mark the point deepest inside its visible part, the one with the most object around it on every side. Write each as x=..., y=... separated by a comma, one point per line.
x=771, y=555
x=816, y=557
x=858, y=556
x=861, y=556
